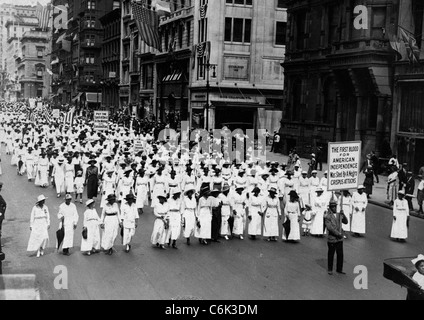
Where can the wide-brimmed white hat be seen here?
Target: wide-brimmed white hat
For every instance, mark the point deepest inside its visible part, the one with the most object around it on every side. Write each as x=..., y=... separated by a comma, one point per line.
x=41, y=198
x=89, y=201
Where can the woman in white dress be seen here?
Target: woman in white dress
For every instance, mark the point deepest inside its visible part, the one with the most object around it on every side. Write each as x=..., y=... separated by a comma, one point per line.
x=359, y=205
x=110, y=223
x=108, y=187
x=272, y=214
x=39, y=226
x=92, y=226
x=392, y=186
x=319, y=206
x=42, y=175
x=159, y=186
x=142, y=191
x=239, y=204
x=256, y=207
x=292, y=214
x=161, y=225
x=226, y=211
x=69, y=176
x=175, y=218
x=304, y=186
x=189, y=206
x=203, y=229
x=400, y=218
x=125, y=185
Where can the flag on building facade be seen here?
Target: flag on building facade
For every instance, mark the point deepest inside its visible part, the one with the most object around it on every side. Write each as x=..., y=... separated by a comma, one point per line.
x=43, y=15
x=49, y=71
x=412, y=49
x=203, y=10
x=148, y=25
x=163, y=8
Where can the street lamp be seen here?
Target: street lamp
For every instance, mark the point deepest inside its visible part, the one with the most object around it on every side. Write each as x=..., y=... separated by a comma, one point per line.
x=209, y=66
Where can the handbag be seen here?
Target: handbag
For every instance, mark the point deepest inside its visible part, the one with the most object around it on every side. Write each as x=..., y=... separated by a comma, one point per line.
x=85, y=233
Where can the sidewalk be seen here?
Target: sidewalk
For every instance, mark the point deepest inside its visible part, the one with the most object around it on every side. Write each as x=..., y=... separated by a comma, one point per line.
x=379, y=195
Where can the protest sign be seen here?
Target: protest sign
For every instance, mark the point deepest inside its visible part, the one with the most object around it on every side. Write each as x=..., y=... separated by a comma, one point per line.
x=101, y=120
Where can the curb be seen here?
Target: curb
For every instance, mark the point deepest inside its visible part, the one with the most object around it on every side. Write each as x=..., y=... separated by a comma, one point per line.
x=386, y=206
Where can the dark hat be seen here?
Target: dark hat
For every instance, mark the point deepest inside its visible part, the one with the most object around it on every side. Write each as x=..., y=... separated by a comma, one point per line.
x=130, y=196
x=272, y=190
x=256, y=189
x=92, y=161
x=111, y=197
x=293, y=194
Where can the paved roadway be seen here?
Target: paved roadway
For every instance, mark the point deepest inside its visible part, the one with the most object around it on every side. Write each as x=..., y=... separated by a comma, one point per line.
x=238, y=269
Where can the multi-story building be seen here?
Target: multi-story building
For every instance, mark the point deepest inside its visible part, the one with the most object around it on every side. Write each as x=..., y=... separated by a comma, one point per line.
x=338, y=75
x=406, y=125
x=32, y=65
x=242, y=86
x=111, y=23
x=15, y=31
x=81, y=65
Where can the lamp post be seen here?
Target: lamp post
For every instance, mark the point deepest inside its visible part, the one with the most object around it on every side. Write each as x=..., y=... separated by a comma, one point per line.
x=208, y=67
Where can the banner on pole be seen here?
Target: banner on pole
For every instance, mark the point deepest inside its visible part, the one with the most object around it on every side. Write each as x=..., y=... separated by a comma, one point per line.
x=56, y=113
x=343, y=165
x=101, y=120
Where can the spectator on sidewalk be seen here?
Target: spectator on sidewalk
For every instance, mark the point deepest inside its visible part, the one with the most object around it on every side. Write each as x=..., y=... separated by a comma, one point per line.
x=375, y=165
x=318, y=163
x=275, y=141
x=402, y=176
x=409, y=189
x=312, y=165
x=392, y=185
x=369, y=180
x=394, y=161
x=420, y=194
x=421, y=172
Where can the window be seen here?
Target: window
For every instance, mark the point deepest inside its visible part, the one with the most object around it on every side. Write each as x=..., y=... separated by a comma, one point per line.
x=90, y=40
x=89, y=58
x=240, y=2
x=180, y=36
x=280, y=33
x=378, y=22
x=90, y=23
x=238, y=30
x=40, y=52
x=188, y=27
x=39, y=73
x=147, y=76
x=91, y=5
x=300, y=30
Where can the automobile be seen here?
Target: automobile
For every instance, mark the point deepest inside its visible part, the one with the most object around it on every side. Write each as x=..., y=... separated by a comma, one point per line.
x=401, y=271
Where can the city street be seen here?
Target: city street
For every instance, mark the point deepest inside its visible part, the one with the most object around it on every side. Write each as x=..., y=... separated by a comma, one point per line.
x=238, y=269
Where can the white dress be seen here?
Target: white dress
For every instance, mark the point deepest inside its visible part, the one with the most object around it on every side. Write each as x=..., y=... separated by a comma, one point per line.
x=174, y=217
x=359, y=205
x=110, y=218
x=240, y=216
x=39, y=223
x=42, y=176
x=401, y=213
x=70, y=214
x=189, y=216
x=304, y=184
x=319, y=206
x=292, y=213
x=92, y=223
x=129, y=215
x=271, y=217
x=225, y=214
x=69, y=177
x=255, y=205
x=205, y=219
x=142, y=192
x=107, y=189
x=159, y=231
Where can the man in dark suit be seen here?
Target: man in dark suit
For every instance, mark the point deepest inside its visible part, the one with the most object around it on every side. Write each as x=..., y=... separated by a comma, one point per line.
x=2, y=213
x=333, y=222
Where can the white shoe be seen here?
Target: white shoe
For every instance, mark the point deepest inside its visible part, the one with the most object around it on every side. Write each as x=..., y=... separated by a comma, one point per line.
x=241, y=238
x=38, y=254
x=42, y=252
x=226, y=238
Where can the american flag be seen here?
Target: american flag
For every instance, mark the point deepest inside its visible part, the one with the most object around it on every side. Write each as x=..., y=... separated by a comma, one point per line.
x=148, y=25
x=412, y=50
x=69, y=117
x=43, y=15
x=203, y=11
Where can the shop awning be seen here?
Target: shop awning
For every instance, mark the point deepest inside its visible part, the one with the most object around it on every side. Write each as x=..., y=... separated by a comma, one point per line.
x=77, y=97
x=255, y=105
x=175, y=76
x=93, y=97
